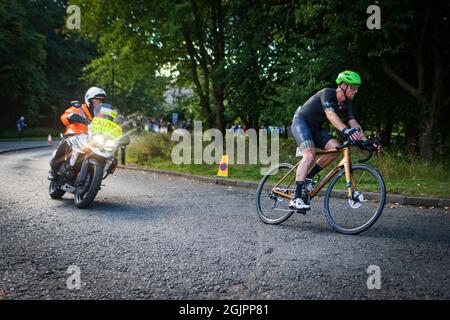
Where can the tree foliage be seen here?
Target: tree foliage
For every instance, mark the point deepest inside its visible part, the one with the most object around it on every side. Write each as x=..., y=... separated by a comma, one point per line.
x=40, y=64
x=22, y=60
x=253, y=61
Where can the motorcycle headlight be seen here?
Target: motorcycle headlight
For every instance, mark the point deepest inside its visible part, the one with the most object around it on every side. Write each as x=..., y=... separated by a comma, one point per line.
x=98, y=140
x=110, y=145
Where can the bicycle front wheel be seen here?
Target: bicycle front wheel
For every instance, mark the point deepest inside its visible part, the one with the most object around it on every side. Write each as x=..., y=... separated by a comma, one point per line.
x=272, y=208
x=353, y=216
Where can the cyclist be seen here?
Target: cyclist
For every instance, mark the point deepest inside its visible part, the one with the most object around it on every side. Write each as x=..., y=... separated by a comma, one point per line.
x=308, y=133
x=76, y=118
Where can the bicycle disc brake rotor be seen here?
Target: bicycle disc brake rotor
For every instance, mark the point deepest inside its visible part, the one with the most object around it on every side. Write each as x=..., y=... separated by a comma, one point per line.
x=356, y=202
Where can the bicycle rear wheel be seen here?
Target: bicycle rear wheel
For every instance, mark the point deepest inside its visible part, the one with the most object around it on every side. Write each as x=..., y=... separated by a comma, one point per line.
x=353, y=216
x=271, y=208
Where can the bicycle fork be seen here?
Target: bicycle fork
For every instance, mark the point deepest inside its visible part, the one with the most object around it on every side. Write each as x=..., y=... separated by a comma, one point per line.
x=346, y=162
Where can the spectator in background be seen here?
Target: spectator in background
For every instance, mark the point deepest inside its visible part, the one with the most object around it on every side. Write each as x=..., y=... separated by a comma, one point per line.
x=20, y=126
x=170, y=127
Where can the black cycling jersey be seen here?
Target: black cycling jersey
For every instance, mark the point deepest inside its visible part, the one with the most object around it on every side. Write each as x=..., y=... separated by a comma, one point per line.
x=313, y=111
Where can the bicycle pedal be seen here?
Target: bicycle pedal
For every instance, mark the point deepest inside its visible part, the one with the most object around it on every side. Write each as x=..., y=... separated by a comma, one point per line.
x=302, y=211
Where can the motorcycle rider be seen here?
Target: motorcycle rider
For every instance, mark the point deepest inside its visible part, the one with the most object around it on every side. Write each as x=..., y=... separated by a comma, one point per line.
x=76, y=119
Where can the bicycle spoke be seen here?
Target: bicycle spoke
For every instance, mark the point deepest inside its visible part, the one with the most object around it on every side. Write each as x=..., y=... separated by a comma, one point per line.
x=272, y=208
x=361, y=211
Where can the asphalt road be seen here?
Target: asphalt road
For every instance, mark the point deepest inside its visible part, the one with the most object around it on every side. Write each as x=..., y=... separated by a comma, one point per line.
x=151, y=236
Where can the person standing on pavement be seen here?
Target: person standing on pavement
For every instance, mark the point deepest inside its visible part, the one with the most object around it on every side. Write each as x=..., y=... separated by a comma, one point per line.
x=20, y=126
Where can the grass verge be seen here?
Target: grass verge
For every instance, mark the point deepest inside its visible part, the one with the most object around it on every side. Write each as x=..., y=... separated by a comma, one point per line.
x=403, y=174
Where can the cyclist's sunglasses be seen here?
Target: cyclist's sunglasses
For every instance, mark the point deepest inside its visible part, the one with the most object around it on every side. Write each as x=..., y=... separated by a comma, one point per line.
x=354, y=88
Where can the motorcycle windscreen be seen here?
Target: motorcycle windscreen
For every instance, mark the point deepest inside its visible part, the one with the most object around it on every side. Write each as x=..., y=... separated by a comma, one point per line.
x=105, y=126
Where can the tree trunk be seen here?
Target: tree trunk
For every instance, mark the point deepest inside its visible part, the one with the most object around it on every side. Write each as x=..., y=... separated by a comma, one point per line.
x=427, y=143
x=255, y=122
x=412, y=137
x=444, y=135
x=388, y=134
x=217, y=26
x=220, y=110
x=203, y=92
x=428, y=126
x=248, y=122
x=204, y=62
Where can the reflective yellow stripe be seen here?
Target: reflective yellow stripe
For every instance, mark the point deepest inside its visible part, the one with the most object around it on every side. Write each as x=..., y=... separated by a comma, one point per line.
x=105, y=126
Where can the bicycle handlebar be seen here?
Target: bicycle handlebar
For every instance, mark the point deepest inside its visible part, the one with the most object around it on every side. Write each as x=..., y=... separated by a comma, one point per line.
x=368, y=156
x=360, y=145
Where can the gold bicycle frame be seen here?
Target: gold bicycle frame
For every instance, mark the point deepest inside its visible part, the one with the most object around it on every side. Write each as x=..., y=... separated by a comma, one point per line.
x=344, y=163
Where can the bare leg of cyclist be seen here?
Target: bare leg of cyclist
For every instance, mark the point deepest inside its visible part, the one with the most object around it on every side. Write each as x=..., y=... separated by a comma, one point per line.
x=326, y=159
x=309, y=154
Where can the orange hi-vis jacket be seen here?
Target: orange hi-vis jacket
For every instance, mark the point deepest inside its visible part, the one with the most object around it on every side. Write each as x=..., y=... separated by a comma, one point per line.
x=76, y=128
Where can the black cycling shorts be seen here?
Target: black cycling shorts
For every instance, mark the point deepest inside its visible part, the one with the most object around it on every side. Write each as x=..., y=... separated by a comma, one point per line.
x=307, y=136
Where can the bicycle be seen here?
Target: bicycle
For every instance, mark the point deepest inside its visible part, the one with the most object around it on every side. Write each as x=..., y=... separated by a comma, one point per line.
x=360, y=185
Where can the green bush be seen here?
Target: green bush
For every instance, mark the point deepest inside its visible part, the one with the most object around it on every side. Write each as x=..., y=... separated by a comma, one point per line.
x=396, y=164
x=149, y=146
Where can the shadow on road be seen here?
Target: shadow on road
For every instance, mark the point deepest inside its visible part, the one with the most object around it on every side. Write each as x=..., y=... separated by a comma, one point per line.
x=116, y=210
x=314, y=226
x=410, y=233
x=417, y=229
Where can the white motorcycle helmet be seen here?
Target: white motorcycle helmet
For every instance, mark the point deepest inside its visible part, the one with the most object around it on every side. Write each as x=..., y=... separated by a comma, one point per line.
x=92, y=93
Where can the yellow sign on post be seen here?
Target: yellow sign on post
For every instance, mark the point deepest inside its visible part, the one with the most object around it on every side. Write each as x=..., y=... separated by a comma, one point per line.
x=223, y=168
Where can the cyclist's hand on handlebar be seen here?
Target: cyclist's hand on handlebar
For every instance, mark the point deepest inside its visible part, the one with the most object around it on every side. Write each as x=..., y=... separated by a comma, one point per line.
x=352, y=134
x=372, y=144
x=377, y=147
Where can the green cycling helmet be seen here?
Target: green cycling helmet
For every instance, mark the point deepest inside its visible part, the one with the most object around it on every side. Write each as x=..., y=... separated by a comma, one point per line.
x=349, y=77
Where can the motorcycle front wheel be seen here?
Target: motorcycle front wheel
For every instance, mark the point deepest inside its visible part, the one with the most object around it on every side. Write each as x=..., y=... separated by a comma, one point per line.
x=55, y=191
x=85, y=194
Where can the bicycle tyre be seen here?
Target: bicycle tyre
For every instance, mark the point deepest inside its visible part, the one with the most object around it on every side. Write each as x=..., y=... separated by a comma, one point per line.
x=374, y=217
x=259, y=192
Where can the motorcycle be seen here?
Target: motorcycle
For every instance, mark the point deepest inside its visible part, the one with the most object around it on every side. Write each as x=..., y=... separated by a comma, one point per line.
x=89, y=159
